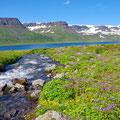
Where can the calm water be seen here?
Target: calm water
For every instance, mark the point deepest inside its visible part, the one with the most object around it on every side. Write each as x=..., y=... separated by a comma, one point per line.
x=28, y=47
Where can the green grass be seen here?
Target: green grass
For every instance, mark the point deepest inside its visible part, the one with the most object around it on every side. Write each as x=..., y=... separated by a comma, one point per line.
x=92, y=92
x=20, y=36
x=9, y=57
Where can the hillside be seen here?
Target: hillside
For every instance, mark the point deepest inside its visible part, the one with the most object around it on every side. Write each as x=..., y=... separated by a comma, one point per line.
x=13, y=32
x=76, y=33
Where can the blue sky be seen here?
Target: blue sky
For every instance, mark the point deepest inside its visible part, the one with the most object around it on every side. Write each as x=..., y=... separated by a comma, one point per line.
x=96, y=12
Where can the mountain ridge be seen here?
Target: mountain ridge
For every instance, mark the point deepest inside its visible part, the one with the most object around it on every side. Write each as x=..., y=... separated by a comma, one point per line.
x=80, y=29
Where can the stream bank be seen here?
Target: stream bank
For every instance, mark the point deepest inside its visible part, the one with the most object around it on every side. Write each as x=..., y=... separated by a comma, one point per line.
x=15, y=105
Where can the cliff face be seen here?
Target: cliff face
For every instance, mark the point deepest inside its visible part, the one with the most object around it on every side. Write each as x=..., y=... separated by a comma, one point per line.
x=61, y=23
x=12, y=22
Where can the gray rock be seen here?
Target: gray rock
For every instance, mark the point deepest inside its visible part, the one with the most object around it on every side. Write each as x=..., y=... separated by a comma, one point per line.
x=75, y=71
x=13, y=89
x=72, y=62
x=53, y=115
x=72, y=57
x=49, y=75
x=50, y=68
x=59, y=75
x=19, y=87
x=38, y=84
x=21, y=81
x=35, y=93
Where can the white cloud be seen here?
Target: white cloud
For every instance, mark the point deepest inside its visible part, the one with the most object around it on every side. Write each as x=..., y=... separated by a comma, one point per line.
x=67, y=2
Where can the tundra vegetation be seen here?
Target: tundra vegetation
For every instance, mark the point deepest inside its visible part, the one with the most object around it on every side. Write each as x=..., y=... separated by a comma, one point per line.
x=90, y=88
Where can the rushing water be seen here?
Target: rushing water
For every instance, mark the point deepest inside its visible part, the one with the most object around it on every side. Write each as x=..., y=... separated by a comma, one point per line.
x=32, y=67
x=27, y=47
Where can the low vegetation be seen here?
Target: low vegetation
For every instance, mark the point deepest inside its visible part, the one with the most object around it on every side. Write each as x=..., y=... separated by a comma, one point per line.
x=9, y=57
x=90, y=89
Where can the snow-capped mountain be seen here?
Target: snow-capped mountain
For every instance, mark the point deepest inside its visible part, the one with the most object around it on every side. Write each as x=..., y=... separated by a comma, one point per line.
x=45, y=26
x=100, y=30
x=97, y=29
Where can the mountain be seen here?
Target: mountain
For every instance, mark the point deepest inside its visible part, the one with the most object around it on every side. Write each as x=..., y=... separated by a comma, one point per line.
x=81, y=33
x=13, y=32
x=59, y=31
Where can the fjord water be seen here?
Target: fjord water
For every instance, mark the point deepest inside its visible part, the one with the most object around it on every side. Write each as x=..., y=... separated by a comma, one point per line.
x=37, y=46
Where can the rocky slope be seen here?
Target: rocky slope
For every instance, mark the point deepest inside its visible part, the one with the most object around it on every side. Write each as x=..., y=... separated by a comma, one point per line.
x=10, y=22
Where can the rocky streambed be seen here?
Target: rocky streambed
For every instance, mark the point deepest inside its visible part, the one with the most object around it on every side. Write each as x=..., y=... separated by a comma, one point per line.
x=21, y=84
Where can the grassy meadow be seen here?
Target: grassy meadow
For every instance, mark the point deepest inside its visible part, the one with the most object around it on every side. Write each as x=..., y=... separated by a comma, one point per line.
x=90, y=89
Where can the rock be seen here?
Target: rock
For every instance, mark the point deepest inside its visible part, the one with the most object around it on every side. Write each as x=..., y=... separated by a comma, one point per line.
x=53, y=115
x=38, y=84
x=35, y=93
x=71, y=62
x=50, y=68
x=21, y=81
x=42, y=55
x=72, y=57
x=49, y=75
x=13, y=89
x=33, y=96
x=5, y=88
x=59, y=75
x=2, y=69
x=75, y=71
x=19, y=87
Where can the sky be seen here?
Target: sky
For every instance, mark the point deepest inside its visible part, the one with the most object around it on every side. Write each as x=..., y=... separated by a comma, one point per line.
x=91, y=12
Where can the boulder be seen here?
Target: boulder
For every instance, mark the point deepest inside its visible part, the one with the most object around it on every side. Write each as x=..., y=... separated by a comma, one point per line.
x=49, y=115
x=21, y=81
x=38, y=84
x=19, y=87
x=13, y=90
x=2, y=69
x=34, y=95
x=49, y=75
x=59, y=75
x=50, y=68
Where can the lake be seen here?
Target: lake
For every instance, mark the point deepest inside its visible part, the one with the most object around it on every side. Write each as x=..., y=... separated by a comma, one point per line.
x=37, y=46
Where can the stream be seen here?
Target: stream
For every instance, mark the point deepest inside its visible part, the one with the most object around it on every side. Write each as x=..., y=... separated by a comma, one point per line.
x=14, y=106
